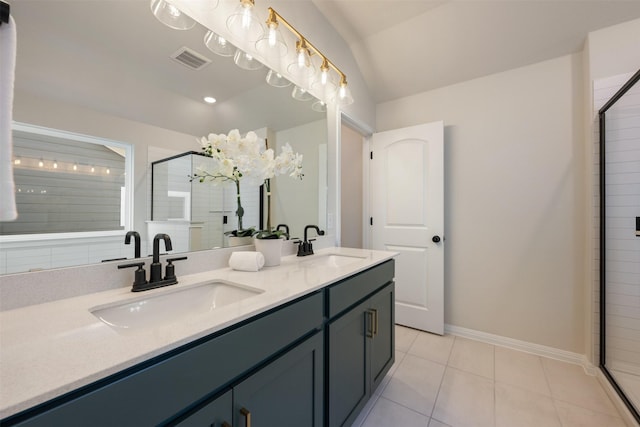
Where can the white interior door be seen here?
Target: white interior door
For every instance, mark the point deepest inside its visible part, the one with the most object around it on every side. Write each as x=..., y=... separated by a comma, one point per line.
x=407, y=207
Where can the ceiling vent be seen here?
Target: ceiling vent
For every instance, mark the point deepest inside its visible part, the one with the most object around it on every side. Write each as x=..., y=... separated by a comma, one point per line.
x=190, y=58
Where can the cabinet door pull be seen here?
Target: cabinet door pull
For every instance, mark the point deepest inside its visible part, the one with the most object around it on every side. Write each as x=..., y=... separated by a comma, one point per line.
x=369, y=324
x=247, y=416
x=375, y=321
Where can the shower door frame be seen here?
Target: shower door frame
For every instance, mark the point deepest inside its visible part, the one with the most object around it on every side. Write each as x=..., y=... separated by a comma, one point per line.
x=602, y=140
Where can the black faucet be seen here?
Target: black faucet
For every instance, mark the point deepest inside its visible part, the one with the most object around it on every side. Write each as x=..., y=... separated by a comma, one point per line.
x=156, y=267
x=286, y=229
x=306, y=248
x=136, y=237
x=155, y=276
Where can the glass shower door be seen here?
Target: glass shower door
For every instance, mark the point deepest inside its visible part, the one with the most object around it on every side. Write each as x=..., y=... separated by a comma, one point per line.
x=620, y=242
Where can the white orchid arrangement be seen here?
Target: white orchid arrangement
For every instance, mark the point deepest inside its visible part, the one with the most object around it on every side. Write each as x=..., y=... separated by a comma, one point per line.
x=237, y=158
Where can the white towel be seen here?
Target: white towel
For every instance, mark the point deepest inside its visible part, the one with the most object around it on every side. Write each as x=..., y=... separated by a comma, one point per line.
x=7, y=72
x=246, y=261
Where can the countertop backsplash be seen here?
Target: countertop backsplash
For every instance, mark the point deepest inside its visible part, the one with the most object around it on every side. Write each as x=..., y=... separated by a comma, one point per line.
x=24, y=289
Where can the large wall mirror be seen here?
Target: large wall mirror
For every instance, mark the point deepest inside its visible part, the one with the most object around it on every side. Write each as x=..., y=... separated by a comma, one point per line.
x=105, y=70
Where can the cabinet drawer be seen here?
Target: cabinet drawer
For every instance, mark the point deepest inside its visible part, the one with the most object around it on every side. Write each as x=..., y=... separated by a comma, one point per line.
x=149, y=395
x=348, y=292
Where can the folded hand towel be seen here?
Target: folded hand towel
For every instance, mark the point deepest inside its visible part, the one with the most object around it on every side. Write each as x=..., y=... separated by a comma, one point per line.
x=7, y=72
x=246, y=261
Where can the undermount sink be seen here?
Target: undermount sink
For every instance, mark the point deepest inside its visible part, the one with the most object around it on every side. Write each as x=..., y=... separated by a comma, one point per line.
x=172, y=305
x=330, y=260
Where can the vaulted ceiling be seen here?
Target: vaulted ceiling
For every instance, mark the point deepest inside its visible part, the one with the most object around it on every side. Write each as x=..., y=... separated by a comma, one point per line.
x=113, y=56
x=410, y=46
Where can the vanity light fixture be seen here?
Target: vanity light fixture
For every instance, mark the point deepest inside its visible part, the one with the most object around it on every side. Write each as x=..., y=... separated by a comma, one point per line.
x=209, y=100
x=171, y=16
x=325, y=85
x=303, y=70
x=343, y=95
x=319, y=106
x=218, y=44
x=246, y=61
x=276, y=79
x=271, y=44
x=244, y=23
x=300, y=94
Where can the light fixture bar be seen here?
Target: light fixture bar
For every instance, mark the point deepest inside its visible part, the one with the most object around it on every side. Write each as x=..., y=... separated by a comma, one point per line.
x=275, y=17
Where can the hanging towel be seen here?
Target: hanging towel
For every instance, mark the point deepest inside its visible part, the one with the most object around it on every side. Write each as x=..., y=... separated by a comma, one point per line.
x=7, y=72
x=246, y=261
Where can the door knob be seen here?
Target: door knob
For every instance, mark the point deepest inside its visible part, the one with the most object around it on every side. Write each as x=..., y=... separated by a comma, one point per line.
x=435, y=239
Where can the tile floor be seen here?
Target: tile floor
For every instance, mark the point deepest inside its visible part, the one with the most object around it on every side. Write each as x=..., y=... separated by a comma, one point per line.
x=456, y=382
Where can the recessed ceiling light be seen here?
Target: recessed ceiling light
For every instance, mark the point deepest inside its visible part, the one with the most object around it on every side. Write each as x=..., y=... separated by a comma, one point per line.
x=209, y=99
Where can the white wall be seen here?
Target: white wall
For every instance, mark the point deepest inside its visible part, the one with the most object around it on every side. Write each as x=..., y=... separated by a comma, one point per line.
x=296, y=202
x=614, y=50
x=514, y=199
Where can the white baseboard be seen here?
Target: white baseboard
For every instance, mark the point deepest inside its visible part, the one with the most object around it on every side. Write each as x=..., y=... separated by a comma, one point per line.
x=537, y=349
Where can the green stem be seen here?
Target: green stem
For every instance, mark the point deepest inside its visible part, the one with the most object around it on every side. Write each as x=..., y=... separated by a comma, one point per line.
x=267, y=186
x=240, y=211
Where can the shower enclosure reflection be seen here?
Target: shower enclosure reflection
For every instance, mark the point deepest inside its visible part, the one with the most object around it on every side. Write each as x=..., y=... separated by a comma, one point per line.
x=196, y=215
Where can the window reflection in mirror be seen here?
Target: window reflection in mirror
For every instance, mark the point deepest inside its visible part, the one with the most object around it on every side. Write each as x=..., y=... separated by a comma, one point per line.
x=74, y=200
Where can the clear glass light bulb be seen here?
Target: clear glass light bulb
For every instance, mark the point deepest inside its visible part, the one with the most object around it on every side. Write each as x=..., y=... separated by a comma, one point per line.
x=75, y=167
x=272, y=35
x=55, y=165
x=41, y=163
x=324, y=77
x=343, y=92
x=174, y=11
x=301, y=58
x=246, y=17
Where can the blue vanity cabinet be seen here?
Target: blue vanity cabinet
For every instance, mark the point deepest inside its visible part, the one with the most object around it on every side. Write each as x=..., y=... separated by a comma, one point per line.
x=311, y=362
x=287, y=392
x=382, y=306
x=217, y=413
x=360, y=341
x=163, y=390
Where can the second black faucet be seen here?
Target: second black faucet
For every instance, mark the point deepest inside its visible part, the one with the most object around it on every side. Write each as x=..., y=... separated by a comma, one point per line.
x=306, y=248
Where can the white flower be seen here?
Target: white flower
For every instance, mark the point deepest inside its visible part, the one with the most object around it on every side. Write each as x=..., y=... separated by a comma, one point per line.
x=234, y=136
x=227, y=167
x=246, y=158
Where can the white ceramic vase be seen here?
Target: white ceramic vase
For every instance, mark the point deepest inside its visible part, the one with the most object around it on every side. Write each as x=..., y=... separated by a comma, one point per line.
x=271, y=249
x=240, y=241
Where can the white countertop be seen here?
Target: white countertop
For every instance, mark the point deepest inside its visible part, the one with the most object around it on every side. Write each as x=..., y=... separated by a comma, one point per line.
x=49, y=349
